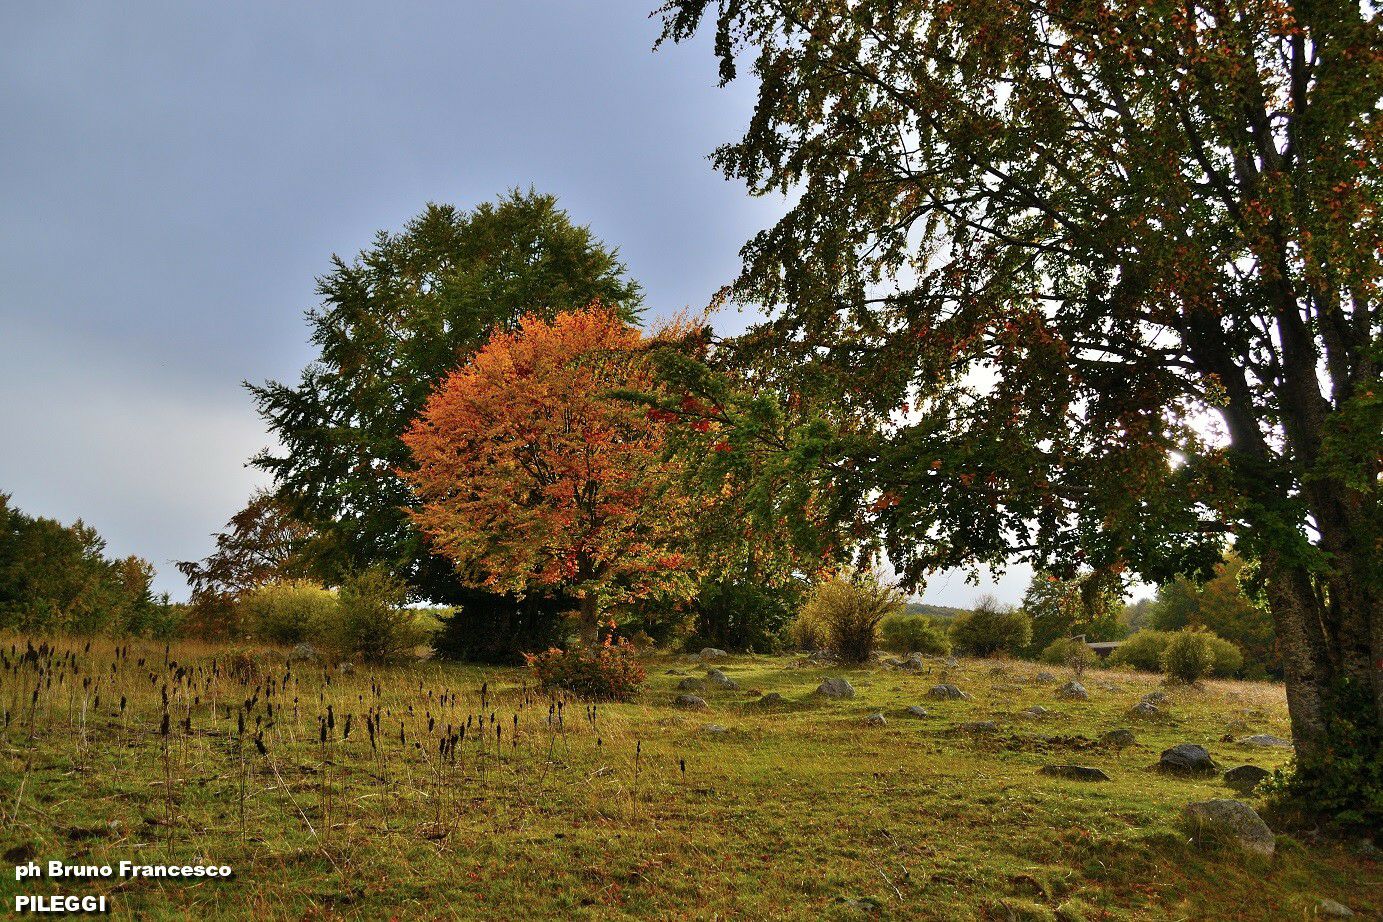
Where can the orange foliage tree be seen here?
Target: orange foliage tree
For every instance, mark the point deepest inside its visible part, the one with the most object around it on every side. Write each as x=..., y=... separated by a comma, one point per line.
x=531, y=474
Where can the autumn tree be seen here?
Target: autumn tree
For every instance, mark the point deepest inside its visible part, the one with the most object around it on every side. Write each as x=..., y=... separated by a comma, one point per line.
x=532, y=474
x=1094, y=284
x=261, y=543
x=392, y=324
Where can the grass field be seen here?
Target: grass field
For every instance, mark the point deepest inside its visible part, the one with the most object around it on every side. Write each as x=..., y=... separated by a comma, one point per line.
x=802, y=810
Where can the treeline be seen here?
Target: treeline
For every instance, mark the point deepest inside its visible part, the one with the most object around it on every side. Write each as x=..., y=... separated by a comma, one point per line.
x=57, y=578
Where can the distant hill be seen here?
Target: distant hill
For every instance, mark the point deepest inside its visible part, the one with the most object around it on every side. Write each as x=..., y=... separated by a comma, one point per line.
x=935, y=611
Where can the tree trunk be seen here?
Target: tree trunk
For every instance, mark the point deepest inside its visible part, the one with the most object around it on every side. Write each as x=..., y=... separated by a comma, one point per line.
x=590, y=628
x=1305, y=653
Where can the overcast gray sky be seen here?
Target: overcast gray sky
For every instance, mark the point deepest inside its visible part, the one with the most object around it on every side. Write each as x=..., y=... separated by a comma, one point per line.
x=173, y=176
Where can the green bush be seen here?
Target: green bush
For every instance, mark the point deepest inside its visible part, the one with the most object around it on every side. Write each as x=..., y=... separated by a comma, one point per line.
x=1228, y=658
x=1069, y=652
x=991, y=629
x=1143, y=650
x=914, y=634
x=289, y=612
x=607, y=672
x=807, y=631
x=372, y=622
x=849, y=608
x=1189, y=656
x=740, y=616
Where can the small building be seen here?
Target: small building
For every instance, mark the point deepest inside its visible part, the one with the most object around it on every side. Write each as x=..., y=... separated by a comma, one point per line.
x=1103, y=648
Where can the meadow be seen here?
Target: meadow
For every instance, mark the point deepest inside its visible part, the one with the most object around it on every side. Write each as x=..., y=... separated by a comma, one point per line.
x=447, y=791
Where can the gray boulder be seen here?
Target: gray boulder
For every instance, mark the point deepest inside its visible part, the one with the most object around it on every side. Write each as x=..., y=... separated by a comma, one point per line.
x=836, y=688
x=1333, y=910
x=691, y=685
x=979, y=726
x=772, y=699
x=952, y=662
x=1266, y=741
x=721, y=680
x=712, y=653
x=1119, y=739
x=303, y=653
x=716, y=729
x=691, y=702
x=1230, y=821
x=1186, y=759
x=1145, y=709
x=1245, y=778
x=1046, y=678
x=345, y=667
x=1073, y=691
x=947, y=692
x=916, y=710
x=875, y=720
x=1073, y=772
x=1037, y=712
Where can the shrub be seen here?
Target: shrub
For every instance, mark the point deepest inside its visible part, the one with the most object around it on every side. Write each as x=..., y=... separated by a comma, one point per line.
x=1228, y=658
x=849, y=608
x=991, y=629
x=1070, y=652
x=740, y=616
x=807, y=631
x=372, y=624
x=289, y=612
x=1188, y=656
x=490, y=628
x=914, y=634
x=1143, y=650
x=608, y=672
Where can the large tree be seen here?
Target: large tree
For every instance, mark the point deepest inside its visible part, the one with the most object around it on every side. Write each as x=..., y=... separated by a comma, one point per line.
x=1095, y=282
x=532, y=474
x=392, y=324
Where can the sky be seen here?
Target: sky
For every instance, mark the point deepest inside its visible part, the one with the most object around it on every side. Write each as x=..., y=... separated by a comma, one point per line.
x=173, y=177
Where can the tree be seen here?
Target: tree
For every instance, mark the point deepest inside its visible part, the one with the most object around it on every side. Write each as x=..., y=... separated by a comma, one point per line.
x=391, y=326
x=1220, y=605
x=1035, y=248
x=1061, y=608
x=531, y=474
x=262, y=543
x=990, y=628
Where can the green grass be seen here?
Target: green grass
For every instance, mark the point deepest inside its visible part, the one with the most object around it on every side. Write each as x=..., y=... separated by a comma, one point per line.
x=803, y=812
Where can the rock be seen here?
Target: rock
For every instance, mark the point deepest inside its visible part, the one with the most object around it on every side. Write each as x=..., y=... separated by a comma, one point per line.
x=772, y=699
x=1186, y=759
x=721, y=680
x=303, y=653
x=947, y=692
x=1233, y=821
x=345, y=667
x=1145, y=709
x=1119, y=739
x=1266, y=741
x=691, y=685
x=1333, y=910
x=836, y=688
x=1073, y=772
x=1037, y=711
x=692, y=702
x=998, y=670
x=1245, y=778
x=1155, y=697
x=716, y=729
x=674, y=672
x=1109, y=686
x=952, y=662
x=916, y=710
x=1046, y=678
x=979, y=726
x=1073, y=691
x=875, y=720
x=712, y=653
x=913, y=663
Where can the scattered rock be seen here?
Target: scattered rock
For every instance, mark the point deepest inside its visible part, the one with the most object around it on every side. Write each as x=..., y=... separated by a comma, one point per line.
x=712, y=653
x=1073, y=772
x=1186, y=759
x=303, y=653
x=772, y=699
x=1233, y=821
x=979, y=726
x=1155, y=697
x=716, y=729
x=952, y=662
x=1046, y=678
x=1266, y=741
x=345, y=667
x=1145, y=709
x=875, y=720
x=1245, y=778
x=913, y=663
x=1109, y=686
x=998, y=670
x=721, y=680
x=1119, y=739
x=947, y=692
x=1073, y=691
x=917, y=710
x=691, y=685
x=692, y=702
x=1333, y=910
x=836, y=688
x=1037, y=711
x=674, y=672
